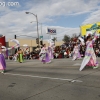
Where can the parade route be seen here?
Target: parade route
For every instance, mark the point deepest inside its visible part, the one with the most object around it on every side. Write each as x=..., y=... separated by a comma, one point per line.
x=59, y=80
x=71, y=80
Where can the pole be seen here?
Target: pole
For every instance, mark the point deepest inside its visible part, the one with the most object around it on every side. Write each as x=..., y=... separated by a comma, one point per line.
x=51, y=37
x=41, y=34
x=38, y=31
x=37, y=26
x=41, y=28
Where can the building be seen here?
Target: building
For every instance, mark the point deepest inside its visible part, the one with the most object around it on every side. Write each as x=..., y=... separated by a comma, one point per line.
x=2, y=40
x=32, y=43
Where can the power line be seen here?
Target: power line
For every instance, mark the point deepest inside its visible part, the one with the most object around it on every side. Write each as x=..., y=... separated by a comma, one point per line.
x=26, y=36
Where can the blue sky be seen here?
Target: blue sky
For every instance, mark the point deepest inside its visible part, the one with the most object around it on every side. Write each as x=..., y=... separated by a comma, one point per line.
x=64, y=15
x=69, y=21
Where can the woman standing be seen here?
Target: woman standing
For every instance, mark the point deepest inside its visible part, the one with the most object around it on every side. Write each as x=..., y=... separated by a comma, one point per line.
x=2, y=60
x=90, y=57
x=20, y=55
x=44, y=55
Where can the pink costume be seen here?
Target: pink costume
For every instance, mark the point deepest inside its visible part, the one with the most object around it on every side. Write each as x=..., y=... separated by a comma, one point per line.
x=2, y=61
x=90, y=57
x=76, y=53
x=44, y=55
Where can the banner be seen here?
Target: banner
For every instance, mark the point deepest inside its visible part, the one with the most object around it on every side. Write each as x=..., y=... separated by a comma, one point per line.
x=85, y=29
x=51, y=31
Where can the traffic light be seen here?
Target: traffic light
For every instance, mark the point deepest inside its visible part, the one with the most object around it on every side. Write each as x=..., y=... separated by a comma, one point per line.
x=37, y=40
x=15, y=36
x=41, y=42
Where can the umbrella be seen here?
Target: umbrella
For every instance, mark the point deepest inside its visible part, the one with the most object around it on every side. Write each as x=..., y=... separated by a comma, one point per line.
x=82, y=40
x=89, y=32
x=25, y=45
x=3, y=47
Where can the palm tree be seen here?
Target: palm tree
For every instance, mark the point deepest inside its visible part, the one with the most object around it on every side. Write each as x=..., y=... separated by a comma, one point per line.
x=54, y=39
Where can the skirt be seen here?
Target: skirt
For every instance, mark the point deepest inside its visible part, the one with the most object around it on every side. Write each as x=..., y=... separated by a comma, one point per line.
x=20, y=57
x=2, y=62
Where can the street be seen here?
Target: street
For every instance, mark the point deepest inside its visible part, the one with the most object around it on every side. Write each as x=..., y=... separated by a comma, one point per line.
x=59, y=80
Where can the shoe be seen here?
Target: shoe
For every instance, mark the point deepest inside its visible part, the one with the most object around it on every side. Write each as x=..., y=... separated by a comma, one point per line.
x=95, y=67
x=2, y=72
x=48, y=62
x=43, y=62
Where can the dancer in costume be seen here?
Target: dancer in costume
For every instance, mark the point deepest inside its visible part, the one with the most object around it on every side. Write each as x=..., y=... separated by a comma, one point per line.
x=3, y=54
x=20, y=55
x=15, y=57
x=76, y=53
x=44, y=55
x=51, y=49
x=2, y=60
x=90, y=57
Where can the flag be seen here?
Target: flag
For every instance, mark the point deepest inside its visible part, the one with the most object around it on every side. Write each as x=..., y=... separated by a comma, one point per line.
x=51, y=31
x=92, y=30
x=94, y=27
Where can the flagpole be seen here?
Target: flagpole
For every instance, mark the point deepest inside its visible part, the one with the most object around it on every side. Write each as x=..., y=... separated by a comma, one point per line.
x=51, y=36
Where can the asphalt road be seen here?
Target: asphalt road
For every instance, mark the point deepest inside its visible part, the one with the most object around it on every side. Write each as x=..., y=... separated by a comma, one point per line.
x=59, y=80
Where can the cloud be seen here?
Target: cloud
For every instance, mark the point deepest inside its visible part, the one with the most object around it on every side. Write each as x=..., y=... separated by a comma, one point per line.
x=66, y=31
x=93, y=18
x=13, y=20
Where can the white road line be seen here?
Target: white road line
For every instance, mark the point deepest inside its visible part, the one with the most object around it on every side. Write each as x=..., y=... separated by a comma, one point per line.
x=76, y=64
x=71, y=80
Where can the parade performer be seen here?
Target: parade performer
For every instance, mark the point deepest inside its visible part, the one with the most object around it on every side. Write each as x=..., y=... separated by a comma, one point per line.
x=44, y=55
x=20, y=55
x=76, y=53
x=90, y=57
x=2, y=60
x=15, y=56
x=3, y=55
x=51, y=49
x=26, y=51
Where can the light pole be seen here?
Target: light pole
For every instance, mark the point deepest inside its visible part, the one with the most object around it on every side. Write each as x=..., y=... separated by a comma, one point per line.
x=41, y=29
x=37, y=25
x=41, y=37
x=40, y=24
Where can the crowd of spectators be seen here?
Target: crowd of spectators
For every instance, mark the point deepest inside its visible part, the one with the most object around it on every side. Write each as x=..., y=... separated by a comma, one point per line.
x=28, y=55
x=65, y=50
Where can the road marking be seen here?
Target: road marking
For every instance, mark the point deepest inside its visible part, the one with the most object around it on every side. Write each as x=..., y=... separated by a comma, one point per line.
x=76, y=64
x=62, y=79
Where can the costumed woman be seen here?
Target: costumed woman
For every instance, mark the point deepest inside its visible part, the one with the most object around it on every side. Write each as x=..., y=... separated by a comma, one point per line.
x=15, y=57
x=90, y=57
x=20, y=55
x=51, y=49
x=76, y=53
x=2, y=60
x=44, y=55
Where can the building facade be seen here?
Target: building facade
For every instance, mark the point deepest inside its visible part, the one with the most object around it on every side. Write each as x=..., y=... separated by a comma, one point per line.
x=32, y=43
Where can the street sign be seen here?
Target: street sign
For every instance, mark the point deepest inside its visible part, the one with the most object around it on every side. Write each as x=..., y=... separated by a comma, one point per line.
x=41, y=37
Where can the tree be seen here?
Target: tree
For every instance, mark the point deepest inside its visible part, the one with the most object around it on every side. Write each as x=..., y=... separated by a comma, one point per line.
x=66, y=38
x=74, y=35
x=54, y=39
